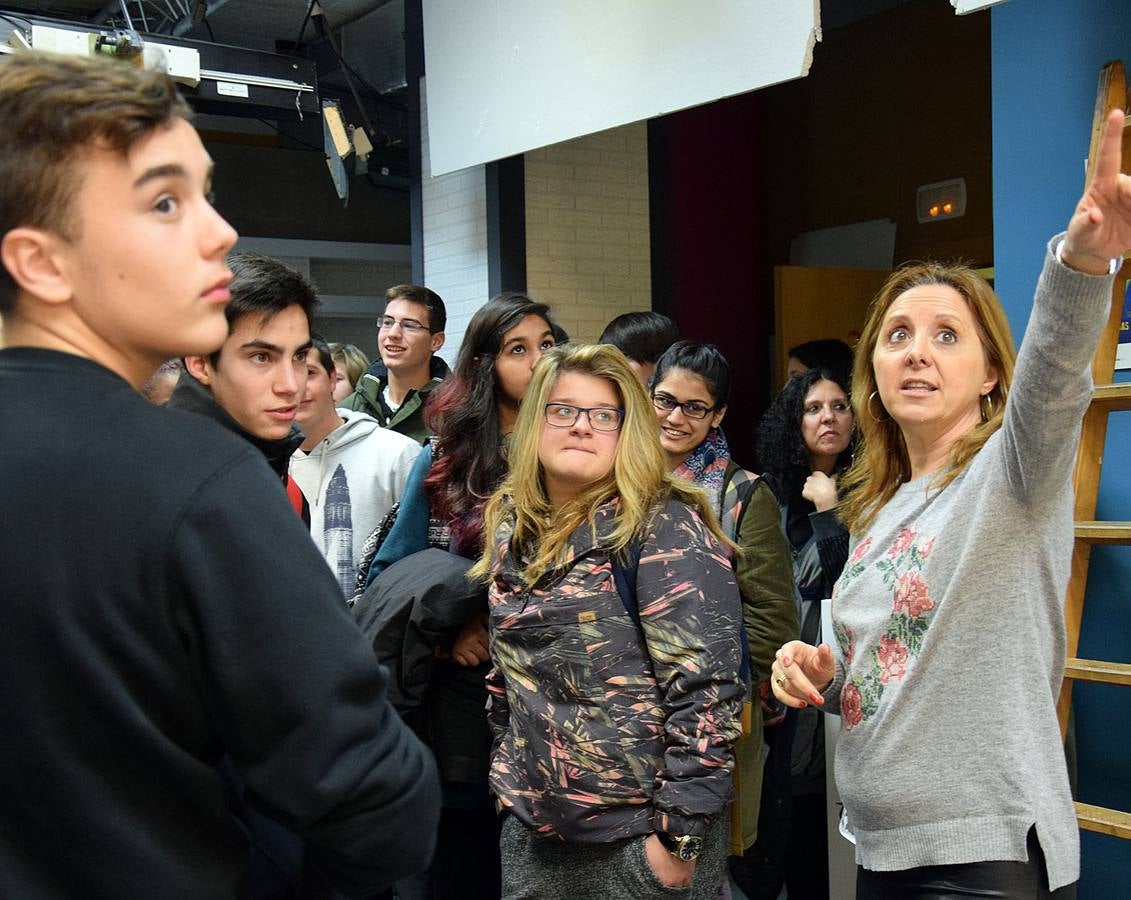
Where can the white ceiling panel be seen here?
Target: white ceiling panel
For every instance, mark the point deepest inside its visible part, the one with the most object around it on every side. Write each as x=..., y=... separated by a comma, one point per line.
x=506, y=76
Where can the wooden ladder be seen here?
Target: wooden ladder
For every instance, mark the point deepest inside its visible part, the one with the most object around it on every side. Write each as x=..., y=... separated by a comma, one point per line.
x=1107, y=398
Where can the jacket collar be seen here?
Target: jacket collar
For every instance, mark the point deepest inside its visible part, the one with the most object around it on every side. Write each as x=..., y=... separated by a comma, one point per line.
x=191, y=396
x=586, y=539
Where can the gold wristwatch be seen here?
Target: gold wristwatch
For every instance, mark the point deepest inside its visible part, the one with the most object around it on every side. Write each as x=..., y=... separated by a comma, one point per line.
x=686, y=847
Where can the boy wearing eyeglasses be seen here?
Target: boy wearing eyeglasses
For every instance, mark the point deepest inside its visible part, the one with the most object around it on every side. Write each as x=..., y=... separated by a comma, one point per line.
x=409, y=333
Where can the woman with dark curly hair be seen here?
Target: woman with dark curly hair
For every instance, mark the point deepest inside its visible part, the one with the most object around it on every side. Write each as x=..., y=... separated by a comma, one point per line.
x=805, y=441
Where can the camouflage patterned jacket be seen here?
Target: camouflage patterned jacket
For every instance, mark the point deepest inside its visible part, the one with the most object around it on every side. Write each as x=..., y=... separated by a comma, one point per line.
x=598, y=738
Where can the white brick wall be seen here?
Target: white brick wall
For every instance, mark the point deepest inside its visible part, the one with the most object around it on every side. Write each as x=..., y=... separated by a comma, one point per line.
x=455, y=239
x=587, y=238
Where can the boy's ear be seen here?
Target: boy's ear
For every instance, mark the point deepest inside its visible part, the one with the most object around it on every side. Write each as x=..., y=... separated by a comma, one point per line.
x=200, y=368
x=33, y=257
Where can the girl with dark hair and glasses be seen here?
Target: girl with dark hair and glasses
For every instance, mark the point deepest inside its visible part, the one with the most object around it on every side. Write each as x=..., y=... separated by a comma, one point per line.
x=689, y=390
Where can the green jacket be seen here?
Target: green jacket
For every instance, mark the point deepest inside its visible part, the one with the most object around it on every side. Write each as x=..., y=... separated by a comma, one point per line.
x=769, y=610
x=409, y=417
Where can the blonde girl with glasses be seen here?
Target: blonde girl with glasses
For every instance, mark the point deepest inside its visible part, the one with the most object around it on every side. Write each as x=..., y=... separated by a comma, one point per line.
x=613, y=732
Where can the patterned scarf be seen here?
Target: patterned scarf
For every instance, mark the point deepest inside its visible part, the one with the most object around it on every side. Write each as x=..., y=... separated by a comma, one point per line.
x=707, y=466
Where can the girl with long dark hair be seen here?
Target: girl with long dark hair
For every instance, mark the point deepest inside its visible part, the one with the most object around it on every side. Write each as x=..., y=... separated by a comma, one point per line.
x=471, y=415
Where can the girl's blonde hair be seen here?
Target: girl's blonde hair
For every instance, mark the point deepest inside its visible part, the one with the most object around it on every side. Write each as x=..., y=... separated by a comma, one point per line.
x=639, y=477
x=356, y=362
x=881, y=464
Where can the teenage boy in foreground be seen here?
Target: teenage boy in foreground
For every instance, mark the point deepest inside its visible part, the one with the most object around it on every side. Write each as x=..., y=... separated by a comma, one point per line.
x=162, y=603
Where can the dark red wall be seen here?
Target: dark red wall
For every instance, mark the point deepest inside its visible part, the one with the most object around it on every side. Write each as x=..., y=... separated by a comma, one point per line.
x=707, y=263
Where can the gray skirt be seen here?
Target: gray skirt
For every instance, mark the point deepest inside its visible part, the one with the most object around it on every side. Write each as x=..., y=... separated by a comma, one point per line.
x=545, y=868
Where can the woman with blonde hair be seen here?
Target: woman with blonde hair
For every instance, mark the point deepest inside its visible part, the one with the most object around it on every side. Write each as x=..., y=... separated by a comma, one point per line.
x=614, y=634
x=948, y=614
x=349, y=365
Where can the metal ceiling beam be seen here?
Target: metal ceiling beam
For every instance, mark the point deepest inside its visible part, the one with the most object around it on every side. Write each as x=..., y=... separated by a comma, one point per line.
x=200, y=10
x=342, y=12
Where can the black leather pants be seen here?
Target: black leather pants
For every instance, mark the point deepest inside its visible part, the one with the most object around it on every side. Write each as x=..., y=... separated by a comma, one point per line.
x=1006, y=880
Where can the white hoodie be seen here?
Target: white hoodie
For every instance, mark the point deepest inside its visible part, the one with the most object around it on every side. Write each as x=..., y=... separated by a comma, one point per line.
x=351, y=479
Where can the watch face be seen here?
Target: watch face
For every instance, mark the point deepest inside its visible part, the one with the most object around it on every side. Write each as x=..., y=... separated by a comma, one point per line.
x=690, y=847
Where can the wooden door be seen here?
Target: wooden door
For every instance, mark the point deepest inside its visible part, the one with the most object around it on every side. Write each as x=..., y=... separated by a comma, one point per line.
x=812, y=303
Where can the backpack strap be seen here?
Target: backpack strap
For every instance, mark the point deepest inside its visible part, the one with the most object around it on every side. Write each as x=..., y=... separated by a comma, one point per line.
x=625, y=566
x=736, y=499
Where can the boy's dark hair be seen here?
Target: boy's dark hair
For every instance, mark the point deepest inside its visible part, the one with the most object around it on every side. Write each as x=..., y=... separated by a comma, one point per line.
x=325, y=356
x=55, y=108
x=263, y=286
x=429, y=299
x=705, y=360
x=830, y=354
x=641, y=336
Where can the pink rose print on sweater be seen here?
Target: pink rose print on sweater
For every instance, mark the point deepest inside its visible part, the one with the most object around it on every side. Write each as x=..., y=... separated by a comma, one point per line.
x=860, y=550
x=911, y=595
x=926, y=549
x=851, y=711
x=892, y=657
x=902, y=543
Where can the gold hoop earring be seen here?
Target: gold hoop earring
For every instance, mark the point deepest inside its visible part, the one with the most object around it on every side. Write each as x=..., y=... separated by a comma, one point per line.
x=868, y=408
x=986, y=406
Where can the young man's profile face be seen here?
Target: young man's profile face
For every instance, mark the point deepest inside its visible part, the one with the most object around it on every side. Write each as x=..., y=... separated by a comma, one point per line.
x=260, y=376
x=146, y=268
x=317, y=398
x=403, y=349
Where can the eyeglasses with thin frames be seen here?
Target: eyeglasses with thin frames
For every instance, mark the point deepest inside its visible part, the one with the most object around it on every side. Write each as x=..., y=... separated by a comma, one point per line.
x=601, y=418
x=408, y=326
x=693, y=409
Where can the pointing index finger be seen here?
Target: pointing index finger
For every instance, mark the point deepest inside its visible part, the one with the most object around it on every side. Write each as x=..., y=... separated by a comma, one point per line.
x=1109, y=153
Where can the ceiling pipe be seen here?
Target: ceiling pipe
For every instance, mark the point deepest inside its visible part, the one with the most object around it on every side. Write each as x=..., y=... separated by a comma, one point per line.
x=342, y=12
x=201, y=10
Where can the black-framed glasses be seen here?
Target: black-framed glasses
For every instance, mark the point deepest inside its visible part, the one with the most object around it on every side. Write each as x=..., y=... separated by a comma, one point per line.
x=601, y=418
x=409, y=326
x=693, y=409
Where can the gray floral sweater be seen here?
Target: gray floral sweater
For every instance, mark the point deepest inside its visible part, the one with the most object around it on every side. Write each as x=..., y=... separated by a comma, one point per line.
x=949, y=622
x=598, y=737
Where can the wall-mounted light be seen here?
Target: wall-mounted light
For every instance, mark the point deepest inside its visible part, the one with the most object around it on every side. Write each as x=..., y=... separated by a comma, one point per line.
x=941, y=200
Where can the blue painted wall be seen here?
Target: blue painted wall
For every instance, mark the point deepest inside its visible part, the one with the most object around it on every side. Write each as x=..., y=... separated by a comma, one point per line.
x=1046, y=61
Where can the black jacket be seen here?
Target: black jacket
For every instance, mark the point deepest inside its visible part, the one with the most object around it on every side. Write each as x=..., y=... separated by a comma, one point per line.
x=417, y=604
x=191, y=396
x=163, y=606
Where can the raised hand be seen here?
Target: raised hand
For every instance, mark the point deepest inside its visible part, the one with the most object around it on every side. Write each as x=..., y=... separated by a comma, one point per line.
x=800, y=672
x=1100, y=229
x=820, y=490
